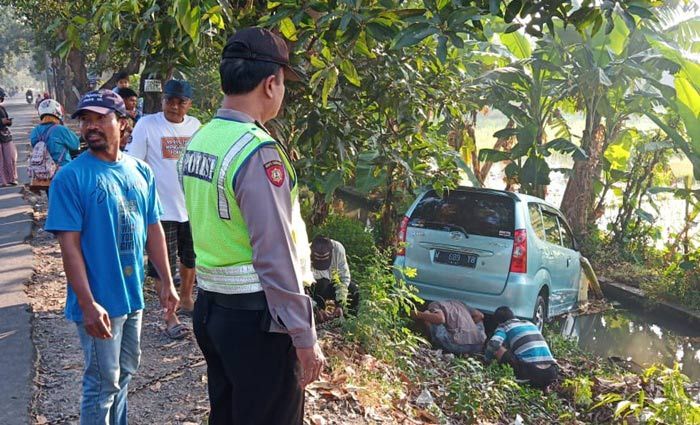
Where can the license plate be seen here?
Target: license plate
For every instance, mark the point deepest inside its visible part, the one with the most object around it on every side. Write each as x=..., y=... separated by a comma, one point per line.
x=456, y=259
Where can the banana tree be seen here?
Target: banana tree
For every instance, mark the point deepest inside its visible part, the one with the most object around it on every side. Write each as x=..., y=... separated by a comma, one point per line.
x=682, y=103
x=528, y=92
x=607, y=67
x=673, y=34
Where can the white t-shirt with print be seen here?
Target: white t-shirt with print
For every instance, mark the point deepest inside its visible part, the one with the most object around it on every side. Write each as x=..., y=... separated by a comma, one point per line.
x=160, y=143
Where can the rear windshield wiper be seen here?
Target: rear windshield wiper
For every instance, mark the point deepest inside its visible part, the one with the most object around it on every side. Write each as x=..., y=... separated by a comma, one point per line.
x=433, y=224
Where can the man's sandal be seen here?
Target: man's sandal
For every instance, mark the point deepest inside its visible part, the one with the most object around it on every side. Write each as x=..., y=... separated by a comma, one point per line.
x=177, y=331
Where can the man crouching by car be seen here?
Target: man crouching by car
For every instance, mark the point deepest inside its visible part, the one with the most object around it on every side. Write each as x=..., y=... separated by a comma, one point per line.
x=454, y=327
x=520, y=344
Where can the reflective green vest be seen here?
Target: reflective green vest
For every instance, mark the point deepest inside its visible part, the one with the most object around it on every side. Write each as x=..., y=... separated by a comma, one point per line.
x=221, y=240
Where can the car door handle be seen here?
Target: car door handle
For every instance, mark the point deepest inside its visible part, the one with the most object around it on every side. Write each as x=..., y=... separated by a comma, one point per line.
x=568, y=262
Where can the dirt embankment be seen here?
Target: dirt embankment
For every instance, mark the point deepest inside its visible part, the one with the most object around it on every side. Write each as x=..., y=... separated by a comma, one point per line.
x=170, y=386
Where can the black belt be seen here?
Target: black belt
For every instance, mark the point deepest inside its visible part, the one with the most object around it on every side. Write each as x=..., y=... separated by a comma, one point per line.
x=253, y=301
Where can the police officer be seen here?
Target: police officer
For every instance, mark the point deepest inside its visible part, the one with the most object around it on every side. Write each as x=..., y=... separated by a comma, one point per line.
x=252, y=320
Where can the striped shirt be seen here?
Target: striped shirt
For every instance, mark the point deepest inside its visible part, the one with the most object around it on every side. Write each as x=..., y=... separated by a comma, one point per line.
x=522, y=339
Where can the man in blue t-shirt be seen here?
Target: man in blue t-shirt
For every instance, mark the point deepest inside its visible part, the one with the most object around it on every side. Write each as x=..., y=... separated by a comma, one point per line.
x=104, y=211
x=520, y=344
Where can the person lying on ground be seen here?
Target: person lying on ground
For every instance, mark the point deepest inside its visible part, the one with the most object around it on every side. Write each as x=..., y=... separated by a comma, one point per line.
x=521, y=345
x=454, y=327
x=329, y=263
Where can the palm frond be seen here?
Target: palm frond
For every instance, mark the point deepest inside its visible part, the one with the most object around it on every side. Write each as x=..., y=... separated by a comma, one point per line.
x=679, y=23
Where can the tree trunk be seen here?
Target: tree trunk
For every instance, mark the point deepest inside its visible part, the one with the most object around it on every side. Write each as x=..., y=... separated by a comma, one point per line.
x=49, y=72
x=614, y=129
x=152, y=101
x=60, y=78
x=66, y=89
x=78, y=82
x=579, y=196
x=320, y=210
x=388, y=214
x=471, y=132
x=540, y=190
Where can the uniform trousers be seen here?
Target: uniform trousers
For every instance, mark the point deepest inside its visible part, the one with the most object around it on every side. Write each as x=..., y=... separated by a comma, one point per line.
x=251, y=372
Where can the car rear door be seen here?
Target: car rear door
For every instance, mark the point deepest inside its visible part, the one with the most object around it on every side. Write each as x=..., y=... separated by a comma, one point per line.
x=572, y=260
x=553, y=258
x=463, y=240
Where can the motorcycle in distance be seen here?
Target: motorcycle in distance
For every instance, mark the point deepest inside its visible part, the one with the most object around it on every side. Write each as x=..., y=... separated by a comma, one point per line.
x=29, y=96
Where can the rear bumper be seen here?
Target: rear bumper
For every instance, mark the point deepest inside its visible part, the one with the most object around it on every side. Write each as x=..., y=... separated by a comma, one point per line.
x=519, y=293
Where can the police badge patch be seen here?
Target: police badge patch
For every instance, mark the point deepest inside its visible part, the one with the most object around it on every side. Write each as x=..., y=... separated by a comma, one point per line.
x=275, y=172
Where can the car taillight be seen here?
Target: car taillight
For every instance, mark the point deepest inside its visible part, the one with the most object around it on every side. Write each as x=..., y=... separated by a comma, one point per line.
x=518, y=262
x=403, y=228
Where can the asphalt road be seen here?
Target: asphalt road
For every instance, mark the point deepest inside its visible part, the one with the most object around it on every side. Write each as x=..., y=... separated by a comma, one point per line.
x=16, y=348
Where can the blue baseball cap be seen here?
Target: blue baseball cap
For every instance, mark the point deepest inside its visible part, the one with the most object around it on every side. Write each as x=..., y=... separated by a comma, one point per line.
x=102, y=102
x=178, y=88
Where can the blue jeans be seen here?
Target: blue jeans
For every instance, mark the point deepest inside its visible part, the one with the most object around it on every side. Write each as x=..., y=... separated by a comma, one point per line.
x=441, y=337
x=109, y=366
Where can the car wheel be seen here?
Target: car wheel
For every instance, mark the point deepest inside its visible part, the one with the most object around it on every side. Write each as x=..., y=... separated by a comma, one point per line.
x=540, y=314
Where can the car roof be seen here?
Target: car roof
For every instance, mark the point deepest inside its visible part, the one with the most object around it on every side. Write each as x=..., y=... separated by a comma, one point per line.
x=530, y=198
x=513, y=195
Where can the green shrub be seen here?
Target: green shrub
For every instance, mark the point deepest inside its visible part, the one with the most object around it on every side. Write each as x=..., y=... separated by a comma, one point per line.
x=680, y=282
x=581, y=390
x=380, y=326
x=591, y=245
x=306, y=202
x=618, y=265
x=481, y=392
x=662, y=399
x=358, y=242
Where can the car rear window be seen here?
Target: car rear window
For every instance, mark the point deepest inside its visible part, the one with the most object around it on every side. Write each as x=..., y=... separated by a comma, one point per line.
x=475, y=213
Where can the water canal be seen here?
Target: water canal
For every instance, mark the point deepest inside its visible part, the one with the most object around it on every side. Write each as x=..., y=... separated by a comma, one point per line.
x=632, y=334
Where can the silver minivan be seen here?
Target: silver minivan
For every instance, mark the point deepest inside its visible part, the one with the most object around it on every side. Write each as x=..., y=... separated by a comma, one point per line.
x=490, y=248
